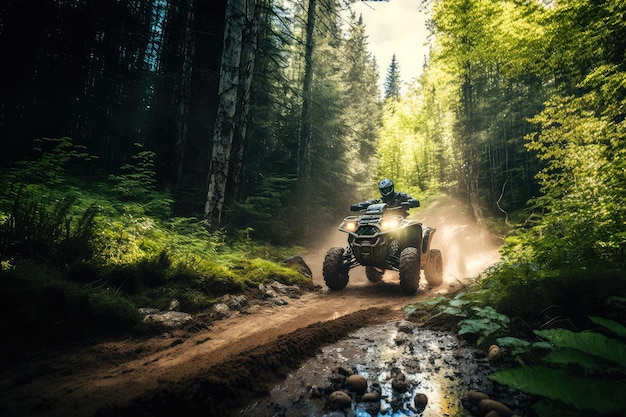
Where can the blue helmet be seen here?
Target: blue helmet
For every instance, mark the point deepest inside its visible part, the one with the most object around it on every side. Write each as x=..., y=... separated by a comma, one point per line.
x=386, y=187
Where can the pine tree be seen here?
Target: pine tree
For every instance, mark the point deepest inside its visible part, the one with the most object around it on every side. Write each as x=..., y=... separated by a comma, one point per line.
x=393, y=82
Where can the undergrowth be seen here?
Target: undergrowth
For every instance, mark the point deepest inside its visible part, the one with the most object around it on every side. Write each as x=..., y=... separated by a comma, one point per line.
x=562, y=332
x=77, y=256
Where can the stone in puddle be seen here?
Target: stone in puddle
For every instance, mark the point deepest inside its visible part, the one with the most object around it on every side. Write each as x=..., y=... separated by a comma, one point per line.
x=420, y=401
x=357, y=383
x=340, y=399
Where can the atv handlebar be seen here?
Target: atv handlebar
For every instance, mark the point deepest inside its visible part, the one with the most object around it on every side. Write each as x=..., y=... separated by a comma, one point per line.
x=405, y=205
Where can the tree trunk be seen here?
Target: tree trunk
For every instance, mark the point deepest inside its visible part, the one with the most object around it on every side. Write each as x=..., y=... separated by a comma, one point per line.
x=184, y=94
x=250, y=42
x=304, y=160
x=225, y=120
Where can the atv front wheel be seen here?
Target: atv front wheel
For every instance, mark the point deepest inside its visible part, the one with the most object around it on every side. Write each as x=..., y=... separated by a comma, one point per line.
x=374, y=274
x=334, y=270
x=433, y=271
x=409, y=269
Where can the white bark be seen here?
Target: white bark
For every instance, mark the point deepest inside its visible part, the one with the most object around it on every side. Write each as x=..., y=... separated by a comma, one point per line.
x=225, y=122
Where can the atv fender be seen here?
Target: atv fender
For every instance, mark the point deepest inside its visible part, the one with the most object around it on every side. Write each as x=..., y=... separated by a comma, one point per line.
x=426, y=241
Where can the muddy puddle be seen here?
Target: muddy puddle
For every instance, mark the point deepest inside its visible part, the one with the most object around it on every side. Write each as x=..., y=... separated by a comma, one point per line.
x=433, y=363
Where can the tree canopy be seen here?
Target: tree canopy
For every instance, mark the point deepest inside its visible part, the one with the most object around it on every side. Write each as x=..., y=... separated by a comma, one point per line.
x=518, y=102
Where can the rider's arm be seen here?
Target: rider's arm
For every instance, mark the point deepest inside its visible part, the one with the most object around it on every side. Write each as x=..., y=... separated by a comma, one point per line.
x=363, y=205
x=412, y=202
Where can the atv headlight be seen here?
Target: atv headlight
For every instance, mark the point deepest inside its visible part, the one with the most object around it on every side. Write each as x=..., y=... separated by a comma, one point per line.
x=389, y=224
x=350, y=226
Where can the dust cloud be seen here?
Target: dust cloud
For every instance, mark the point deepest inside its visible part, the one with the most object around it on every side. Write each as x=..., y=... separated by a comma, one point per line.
x=466, y=250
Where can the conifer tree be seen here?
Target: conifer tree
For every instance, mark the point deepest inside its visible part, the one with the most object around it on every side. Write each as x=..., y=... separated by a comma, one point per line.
x=393, y=82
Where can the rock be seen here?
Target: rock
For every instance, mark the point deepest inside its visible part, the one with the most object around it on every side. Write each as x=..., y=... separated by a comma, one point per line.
x=476, y=396
x=399, y=385
x=221, y=311
x=487, y=405
x=144, y=311
x=292, y=291
x=374, y=394
x=401, y=339
x=279, y=301
x=297, y=262
x=170, y=319
x=267, y=292
x=493, y=413
x=420, y=401
x=174, y=305
x=238, y=302
x=405, y=326
x=371, y=396
x=315, y=392
x=340, y=399
x=494, y=354
x=357, y=383
x=396, y=373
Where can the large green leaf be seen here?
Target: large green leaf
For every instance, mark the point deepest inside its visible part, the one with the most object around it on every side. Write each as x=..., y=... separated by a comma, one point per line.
x=588, y=342
x=566, y=356
x=604, y=396
x=613, y=326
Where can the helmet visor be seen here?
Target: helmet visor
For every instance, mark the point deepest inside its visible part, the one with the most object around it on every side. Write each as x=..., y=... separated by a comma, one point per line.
x=385, y=191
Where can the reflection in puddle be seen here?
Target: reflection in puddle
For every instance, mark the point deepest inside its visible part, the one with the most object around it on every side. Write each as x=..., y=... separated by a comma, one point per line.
x=434, y=363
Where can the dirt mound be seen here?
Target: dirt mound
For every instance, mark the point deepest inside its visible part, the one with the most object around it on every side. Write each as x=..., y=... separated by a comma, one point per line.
x=226, y=386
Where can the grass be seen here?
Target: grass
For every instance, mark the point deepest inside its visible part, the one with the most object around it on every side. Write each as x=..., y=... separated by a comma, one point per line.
x=78, y=259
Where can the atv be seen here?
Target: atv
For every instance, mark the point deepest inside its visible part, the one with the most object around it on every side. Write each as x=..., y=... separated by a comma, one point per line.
x=381, y=238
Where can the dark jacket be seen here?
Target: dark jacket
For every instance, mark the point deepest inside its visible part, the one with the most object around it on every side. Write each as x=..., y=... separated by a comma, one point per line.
x=393, y=200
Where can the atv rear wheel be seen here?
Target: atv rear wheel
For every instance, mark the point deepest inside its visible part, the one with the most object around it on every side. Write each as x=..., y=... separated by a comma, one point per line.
x=409, y=270
x=433, y=271
x=334, y=270
x=374, y=274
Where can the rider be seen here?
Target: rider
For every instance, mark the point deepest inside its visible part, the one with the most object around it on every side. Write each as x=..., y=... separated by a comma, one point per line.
x=389, y=196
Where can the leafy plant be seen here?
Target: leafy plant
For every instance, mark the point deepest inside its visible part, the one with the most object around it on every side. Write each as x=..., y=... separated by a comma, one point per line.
x=481, y=324
x=137, y=184
x=584, y=371
x=486, y=324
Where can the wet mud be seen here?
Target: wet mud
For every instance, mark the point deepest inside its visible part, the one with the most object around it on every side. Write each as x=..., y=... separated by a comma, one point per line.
x=437, y=371
x=225, y=387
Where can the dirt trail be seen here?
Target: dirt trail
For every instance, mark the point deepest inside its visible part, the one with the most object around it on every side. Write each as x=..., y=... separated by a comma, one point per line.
x=216, y=370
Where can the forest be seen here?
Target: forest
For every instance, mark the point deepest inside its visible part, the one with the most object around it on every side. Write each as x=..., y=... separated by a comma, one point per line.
x=190, y=144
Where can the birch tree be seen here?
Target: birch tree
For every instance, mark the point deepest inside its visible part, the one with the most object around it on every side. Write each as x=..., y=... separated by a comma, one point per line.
x=232, y=79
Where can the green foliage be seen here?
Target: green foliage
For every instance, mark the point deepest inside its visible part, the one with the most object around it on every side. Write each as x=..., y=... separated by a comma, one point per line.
x=604, y=396
x=51, y=160
x=584, y=371
x=476, y=322
x=611, y=325
x=265, y=212
x=40, y=213
x=393, y=83
x=115, y=255
x=137, y=184
x=591, y=343
x=258, y=271
x=40, y=307
x=486, y=323
x=523, y=290
x=583, y=190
